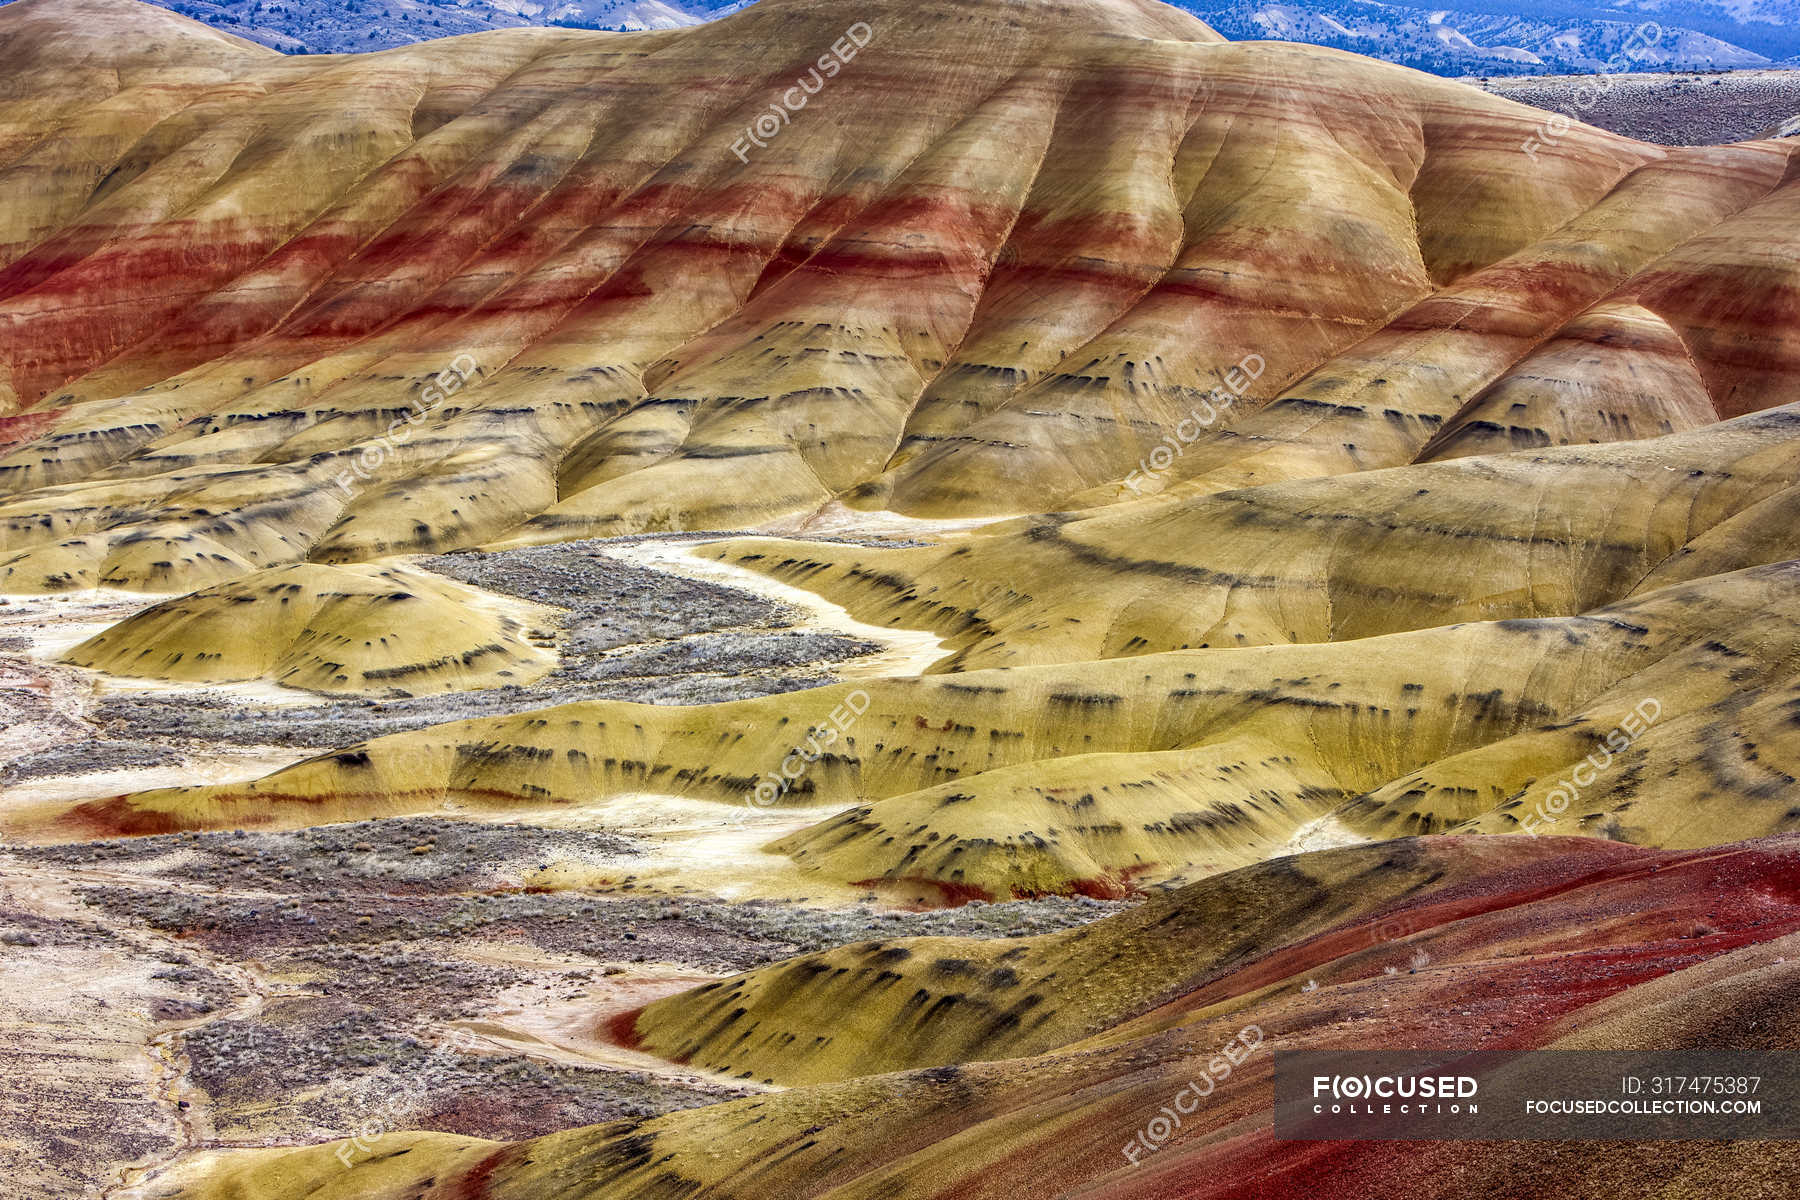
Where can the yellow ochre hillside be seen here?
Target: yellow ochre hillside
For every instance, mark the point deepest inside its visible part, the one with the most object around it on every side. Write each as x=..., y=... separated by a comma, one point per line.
x=1221, y=546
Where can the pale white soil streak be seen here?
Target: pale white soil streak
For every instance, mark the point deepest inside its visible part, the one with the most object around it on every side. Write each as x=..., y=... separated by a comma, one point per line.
x=1326, y=833
x=559, y=1020
x=49, y=626
x=221, y=764
x=89, y=1006
x=689, y=846
x=904, y=651
x=53, y=624
x=838, y=520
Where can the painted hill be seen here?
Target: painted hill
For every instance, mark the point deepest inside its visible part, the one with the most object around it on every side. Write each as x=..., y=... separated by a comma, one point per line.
x=387, y=630
x=1104, y=776
x=1579, y=947
x=1342, y=603
x=481, y=302
x=1299, y=457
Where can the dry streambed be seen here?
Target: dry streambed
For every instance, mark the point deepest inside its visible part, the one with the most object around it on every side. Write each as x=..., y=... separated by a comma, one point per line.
x=646, y=633
x=242, y=990
x=173, y=995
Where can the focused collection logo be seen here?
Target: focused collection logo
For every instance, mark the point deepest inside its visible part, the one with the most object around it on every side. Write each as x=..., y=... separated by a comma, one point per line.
x=1530, y=1095
x=1394, y=1095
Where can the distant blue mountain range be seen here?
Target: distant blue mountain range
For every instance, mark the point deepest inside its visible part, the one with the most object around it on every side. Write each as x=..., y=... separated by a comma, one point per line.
x=1476, y=37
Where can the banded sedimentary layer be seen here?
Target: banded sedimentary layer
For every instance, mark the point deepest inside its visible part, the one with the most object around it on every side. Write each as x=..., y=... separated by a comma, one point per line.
x=537, y=284
x=1299, y=451
x=1503, y=452
x=1434, y=943
x=1103, y=776
x=391, y=630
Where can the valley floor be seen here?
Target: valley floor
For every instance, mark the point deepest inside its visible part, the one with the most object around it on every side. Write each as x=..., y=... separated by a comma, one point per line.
x=167, y=995
x=1671, y=109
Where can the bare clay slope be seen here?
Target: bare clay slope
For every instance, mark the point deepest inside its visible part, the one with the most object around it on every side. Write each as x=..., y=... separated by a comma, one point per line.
x=611, y=323
x=1433, y=943
x=1516, y=458
x=538, y=285
x=1101, y=777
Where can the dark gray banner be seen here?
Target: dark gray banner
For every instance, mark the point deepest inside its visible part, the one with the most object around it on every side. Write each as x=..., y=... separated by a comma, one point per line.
x=1530, y=1095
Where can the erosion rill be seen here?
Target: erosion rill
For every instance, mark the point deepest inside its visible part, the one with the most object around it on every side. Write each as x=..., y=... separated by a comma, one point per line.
x=841, y=602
